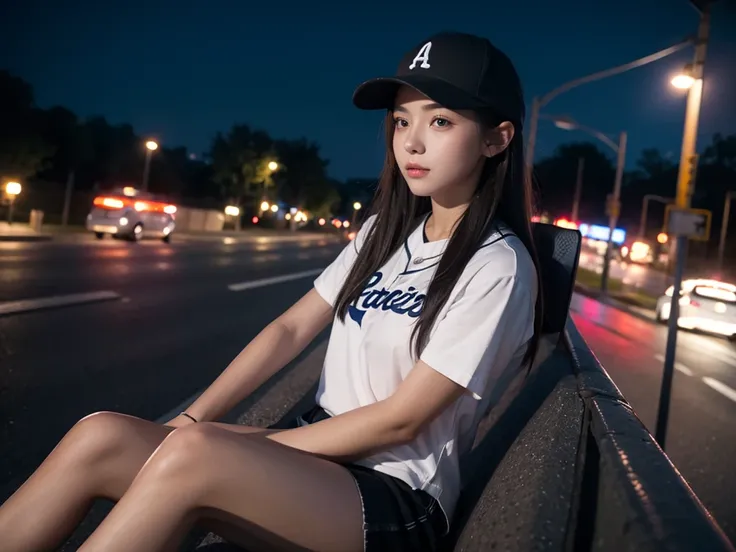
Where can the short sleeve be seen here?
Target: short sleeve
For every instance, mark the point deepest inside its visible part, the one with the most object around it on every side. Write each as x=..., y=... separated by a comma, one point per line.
x=329, y=283
x=483, y=330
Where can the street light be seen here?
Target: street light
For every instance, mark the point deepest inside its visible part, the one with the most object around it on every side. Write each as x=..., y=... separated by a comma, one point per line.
x=538, y=102
x=724, y=228
x=151, y=146
x=356, y=207
x=685, y=185
x=683, y=82
x=273, y=166
x=12, y=190
x=566, y=123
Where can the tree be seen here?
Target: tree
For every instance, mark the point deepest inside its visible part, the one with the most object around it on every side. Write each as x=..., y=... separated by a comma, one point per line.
x=23, y=151
x=240, y=163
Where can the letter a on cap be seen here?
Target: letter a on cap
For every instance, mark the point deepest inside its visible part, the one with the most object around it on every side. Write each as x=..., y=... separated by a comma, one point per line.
x=423, y=56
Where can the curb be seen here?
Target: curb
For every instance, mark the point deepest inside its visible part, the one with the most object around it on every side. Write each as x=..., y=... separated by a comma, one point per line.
x=639, y=312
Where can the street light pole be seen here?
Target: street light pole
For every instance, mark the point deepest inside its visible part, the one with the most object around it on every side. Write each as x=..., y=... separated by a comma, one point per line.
x=724, y=228
x=614, y=209
x=685, y=183
x=151, y=146
x=538, y=102
x=578, y=190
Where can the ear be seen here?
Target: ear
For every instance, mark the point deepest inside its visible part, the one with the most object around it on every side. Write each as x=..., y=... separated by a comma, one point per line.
x=498, y=139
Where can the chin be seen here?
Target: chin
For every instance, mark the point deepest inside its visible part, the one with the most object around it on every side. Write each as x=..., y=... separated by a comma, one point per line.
x=422, y=187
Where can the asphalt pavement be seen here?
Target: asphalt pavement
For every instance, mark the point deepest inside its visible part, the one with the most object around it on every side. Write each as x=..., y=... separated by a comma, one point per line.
x=701, y=436
x=174, y=327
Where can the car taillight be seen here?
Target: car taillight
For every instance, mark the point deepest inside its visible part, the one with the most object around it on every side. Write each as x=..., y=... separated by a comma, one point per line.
x=694, y=303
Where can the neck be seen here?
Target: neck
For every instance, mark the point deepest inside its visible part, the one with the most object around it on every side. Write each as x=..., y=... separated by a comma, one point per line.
x=443, y=219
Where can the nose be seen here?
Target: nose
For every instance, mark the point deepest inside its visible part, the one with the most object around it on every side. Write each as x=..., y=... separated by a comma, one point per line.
x=414, y=143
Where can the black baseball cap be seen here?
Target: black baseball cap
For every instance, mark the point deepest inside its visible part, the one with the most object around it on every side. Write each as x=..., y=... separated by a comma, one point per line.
x=458, y=71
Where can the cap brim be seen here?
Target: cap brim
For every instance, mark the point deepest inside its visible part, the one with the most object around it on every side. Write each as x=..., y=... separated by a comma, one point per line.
x=380, y=93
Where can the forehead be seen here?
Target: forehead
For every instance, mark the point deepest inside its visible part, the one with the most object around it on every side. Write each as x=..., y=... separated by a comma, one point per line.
x=410, y=99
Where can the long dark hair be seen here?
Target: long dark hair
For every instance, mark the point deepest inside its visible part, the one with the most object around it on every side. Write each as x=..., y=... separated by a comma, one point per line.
x=504, y=193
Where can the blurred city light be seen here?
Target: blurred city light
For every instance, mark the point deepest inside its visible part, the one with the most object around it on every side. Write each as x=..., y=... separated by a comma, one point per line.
x=232, y=211
x=151, y=145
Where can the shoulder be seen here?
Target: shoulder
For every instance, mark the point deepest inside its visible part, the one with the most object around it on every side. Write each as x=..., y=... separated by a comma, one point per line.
x=364, y=231
x=503, y=256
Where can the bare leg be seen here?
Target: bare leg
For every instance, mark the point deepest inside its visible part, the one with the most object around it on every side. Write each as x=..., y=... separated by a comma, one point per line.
x=99, y=457
x=269, y=495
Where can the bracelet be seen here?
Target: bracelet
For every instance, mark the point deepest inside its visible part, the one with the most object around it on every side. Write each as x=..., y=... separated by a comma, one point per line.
x=188, y=416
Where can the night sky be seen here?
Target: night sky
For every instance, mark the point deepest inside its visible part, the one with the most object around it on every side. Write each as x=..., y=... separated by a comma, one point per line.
x=181, y=71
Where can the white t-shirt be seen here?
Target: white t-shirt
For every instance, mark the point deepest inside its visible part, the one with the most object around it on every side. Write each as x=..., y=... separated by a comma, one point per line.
x=481, y=332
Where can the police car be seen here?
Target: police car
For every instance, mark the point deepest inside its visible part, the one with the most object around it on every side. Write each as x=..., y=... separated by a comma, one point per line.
x=131, y=215
x=706, y=305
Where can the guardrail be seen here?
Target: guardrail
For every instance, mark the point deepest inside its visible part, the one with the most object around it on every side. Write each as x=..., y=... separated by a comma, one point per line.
x=561, y=462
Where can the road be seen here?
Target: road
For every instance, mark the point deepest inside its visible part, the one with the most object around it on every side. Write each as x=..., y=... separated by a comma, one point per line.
x=177, y=324
x=174, y=329
x=701, y=438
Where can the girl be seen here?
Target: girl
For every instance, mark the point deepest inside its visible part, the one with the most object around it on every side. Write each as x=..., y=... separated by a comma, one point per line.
x=435, y=297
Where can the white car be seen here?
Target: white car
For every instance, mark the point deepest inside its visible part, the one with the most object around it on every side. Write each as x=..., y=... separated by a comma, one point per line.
x=706, y=305
x=131, y=215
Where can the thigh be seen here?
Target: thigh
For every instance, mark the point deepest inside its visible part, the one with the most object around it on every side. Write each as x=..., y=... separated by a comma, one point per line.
x=259, y=490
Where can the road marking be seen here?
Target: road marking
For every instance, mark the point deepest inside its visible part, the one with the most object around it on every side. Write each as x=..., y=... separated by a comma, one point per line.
x=678, y=366
x=29, y=305
x=274, y=280
x=722, y=388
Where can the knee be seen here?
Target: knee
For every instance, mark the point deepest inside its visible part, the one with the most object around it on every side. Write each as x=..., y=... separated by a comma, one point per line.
x=98, y=435
x=186, y=448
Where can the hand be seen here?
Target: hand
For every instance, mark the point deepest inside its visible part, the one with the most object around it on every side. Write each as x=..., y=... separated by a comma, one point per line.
x=179, y=421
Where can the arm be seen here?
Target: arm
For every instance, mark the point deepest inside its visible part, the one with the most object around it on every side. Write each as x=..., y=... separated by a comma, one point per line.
x=484, y=328
x=272, y=349
x=356, y=434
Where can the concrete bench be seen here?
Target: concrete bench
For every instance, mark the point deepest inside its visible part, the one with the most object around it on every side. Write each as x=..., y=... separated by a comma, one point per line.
x=560, y=462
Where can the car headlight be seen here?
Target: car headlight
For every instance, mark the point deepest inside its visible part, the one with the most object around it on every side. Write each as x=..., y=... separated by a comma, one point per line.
x=123, y=221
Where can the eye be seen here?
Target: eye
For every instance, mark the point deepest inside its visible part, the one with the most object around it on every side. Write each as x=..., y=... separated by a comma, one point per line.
x=441, y=122
x=400, y=123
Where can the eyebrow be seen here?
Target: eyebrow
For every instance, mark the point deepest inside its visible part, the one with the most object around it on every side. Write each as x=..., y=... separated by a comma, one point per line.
x=427, y=107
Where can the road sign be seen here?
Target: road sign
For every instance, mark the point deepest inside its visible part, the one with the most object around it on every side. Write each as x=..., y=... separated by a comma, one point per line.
x=691, y=223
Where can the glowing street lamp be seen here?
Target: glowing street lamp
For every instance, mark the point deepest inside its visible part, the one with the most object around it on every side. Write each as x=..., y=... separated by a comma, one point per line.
x=12, y=190
x=273, y=166
x=683, y=81
x=151, y=146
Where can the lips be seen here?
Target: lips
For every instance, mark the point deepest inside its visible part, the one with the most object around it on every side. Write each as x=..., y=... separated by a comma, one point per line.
x=416, y=171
